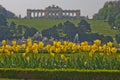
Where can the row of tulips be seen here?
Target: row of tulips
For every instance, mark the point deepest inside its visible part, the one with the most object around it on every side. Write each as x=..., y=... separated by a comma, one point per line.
x=57, y=47
x=59, y=55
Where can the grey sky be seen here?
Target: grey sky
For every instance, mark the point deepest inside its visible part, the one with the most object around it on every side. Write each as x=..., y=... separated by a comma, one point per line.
x=87, y=7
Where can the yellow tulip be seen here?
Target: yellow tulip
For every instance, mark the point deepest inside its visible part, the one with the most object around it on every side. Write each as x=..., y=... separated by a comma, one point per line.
x=14, y=43
x=8, y=53
x=62, y=56
x=23, y=46
x=52, y=54
x=65, y=43
x=23, y=54
x=4, y=42
x=109, y=44
x=101, y=54
x=85, y=62
x=97, y=42
x=41, y=44
x=57, y=50
x=35, y=51
x=66, y=59
x=113, y=50
x=27, y=58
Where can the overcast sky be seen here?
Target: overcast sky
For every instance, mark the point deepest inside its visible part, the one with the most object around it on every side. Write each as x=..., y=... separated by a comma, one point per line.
x=87, y=7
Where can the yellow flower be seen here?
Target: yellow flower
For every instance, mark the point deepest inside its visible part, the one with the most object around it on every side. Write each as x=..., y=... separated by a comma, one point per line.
x=41, y=44
x=54, y=43
x=23, y=54
x=14, y=43
x=8, y=47
x=58, y=44
x=94, y=47
x=108, y=50
x=65, y=43
x=97, y=42
x=119, y=56
x=57, y=50
x=29, y=40
x=65, y=49
x=85, y=62
x=3, y=42
x=52, y=54
x=109, y=44
x=52, y=48
x=91, y=53
x=101, y=54
x=29, y=44
x=48, y=47
x=113, y=50
x=66, y=59
x=27, y=50
x=35, y=51
x=62, y=56
x=100, y=49
x=12, y=52
x=27, y=58
x=8, y=53
x=23, y=46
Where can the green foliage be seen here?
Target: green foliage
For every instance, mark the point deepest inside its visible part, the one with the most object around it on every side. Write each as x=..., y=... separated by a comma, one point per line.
x=3, y=20
x=109, y=10
x=84, y=27
x=75, y=61
x=6, y=13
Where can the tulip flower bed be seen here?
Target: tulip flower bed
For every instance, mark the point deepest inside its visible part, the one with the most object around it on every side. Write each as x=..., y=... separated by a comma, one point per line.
x=59, y=55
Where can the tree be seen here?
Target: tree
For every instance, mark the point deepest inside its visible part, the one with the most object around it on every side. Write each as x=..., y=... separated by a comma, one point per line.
x=117, y=37
x=3, y=20
x=5, y=33
x=117, y=22
x=70, y=30
x=110, y=9
x=7, y=14
x=51, y=32
x=111, y=21
x=83, y=27
x=30, y=32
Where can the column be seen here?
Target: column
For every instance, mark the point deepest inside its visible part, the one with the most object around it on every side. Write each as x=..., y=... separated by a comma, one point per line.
x=28, y=13
x=37, y=14
x=34, y=14
x=78, y=14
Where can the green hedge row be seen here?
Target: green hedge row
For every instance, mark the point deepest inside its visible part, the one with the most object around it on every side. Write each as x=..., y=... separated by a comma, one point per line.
x=59, y=74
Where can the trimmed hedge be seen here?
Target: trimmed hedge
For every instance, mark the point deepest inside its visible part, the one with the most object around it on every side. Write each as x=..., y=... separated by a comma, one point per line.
x=59, y=74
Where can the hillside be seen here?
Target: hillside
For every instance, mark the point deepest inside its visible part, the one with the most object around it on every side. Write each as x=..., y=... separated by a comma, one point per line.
x=97, y=26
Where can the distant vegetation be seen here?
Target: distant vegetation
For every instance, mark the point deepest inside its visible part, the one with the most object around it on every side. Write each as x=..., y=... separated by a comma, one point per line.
x=68, y=31
x=7, y=14
x=13, y=31
x=111, y=13
x=97, y=26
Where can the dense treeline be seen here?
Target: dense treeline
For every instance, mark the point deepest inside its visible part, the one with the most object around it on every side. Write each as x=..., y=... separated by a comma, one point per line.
x=111, y=13
x=13, y=31
x=68, y=31
x=7, y=14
